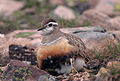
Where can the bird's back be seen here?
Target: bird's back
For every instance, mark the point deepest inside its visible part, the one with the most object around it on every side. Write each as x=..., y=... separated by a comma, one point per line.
x=79, y=46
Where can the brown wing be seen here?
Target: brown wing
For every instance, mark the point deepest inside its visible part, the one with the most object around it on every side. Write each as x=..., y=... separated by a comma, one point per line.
x=79, y=48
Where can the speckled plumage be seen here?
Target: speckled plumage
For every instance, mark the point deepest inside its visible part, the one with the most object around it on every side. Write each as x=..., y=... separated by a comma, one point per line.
x=72, y=47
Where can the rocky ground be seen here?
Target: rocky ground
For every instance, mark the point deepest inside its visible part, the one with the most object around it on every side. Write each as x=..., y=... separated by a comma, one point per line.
x=96, y=22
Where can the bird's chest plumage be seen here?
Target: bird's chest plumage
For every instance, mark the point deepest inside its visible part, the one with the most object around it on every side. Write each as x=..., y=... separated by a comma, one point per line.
x=59, y=47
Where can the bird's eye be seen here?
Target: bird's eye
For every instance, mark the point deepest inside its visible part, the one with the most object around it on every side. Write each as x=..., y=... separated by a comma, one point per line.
x=50, y=25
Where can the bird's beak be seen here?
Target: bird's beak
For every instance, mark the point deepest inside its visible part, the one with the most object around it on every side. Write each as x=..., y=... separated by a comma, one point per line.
x=41, y=28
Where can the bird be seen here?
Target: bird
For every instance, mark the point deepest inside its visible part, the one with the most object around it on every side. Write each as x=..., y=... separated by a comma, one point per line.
x=59, y=52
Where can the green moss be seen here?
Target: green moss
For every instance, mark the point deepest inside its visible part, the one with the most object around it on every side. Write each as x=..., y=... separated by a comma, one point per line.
x=117, y=7
x=24, y=34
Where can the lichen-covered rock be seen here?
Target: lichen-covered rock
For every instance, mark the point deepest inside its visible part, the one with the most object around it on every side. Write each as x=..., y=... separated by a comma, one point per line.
x=19, y=71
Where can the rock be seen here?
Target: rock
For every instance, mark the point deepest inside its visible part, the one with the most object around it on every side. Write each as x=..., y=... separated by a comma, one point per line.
x=98, y=41
x=7, y=7
x=93, y=3
x=2, y=35
x=31, y=38
x=4, y=59
x=83, y=29
x=97, y=18
x=26, y=54
x=116, y=34
x=81, y=7
x=56, y=2
x=107, y=6
x=17, y=70
x=66, y=14
x=115, y=22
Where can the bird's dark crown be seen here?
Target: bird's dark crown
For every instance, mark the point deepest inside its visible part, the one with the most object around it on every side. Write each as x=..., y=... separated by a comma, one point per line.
x=46, y=21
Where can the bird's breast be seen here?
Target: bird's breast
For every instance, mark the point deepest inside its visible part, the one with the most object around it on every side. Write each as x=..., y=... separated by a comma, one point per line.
x=60, y=47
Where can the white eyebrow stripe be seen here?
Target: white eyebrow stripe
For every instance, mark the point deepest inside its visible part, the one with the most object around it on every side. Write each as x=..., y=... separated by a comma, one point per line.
x=54, y=23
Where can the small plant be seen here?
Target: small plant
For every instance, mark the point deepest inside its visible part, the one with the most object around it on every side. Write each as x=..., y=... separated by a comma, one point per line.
x=1, y=71
x=99, y=56
x=115, y=49
x=23, y=34
x=114, y=71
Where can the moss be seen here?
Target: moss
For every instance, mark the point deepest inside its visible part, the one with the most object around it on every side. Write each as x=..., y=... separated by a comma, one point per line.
x=24, y=34
x=117, y=7
x=21, y=73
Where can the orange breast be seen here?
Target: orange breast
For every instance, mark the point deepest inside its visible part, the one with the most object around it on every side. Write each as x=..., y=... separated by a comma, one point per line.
x=60, y=47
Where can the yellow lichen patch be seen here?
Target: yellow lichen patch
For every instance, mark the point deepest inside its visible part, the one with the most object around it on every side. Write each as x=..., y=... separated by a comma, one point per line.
x=21, y=73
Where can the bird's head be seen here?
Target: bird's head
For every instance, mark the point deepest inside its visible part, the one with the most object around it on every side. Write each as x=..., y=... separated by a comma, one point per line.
x=48, y=25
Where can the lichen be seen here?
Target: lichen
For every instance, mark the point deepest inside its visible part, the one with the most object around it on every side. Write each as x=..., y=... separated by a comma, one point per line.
x=21, y=73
